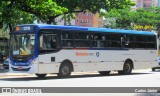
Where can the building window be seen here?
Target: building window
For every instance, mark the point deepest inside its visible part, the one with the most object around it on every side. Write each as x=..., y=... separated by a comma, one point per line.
x=81, y=20
x=90, y=14
x=89, y=21
x=86, y=21
x=77, y=19
x=86, y=13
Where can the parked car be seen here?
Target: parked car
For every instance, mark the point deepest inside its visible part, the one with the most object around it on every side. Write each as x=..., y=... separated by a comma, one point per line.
x=158, y=67
x=6, y=63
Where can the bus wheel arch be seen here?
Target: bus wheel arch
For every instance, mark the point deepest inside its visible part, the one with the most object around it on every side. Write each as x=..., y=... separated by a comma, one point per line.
x=65, y=69
x=127, y=67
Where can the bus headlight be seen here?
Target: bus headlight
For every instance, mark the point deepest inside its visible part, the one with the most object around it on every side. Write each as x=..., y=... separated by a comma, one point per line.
x=33, y=61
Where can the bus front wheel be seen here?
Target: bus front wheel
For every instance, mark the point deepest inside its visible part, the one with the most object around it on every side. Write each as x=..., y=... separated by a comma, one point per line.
x=41, y=75
x=64, y=70
x=104, y=72
x=127, y=68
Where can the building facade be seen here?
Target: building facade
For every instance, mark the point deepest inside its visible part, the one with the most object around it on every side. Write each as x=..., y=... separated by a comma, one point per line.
x=145, y=3
x=60, y=21
x=89, y=19
x=159, y=3
x=86, y=19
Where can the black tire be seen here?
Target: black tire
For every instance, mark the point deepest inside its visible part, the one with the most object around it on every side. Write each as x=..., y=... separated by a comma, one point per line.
x=65, y=70
x=41, y=75
x=127, y=68
x=103, y=73
x=153, y=69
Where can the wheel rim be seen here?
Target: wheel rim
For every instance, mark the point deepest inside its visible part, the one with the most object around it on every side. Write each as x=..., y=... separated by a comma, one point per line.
x=127, y=67
x=65, y=70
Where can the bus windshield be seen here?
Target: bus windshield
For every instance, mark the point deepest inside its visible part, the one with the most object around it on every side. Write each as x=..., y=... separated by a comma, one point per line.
x=22, y=44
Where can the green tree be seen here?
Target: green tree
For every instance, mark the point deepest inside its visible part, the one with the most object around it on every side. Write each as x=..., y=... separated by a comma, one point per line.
x=45, y=10
x=122, y=16
x=67, y=18
x=149, y=16
x=10, y=16
x=125, y=18
x=48, y=10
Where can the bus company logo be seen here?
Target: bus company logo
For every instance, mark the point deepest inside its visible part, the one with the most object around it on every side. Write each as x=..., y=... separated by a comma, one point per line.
x=84, y=54
x=97, y=54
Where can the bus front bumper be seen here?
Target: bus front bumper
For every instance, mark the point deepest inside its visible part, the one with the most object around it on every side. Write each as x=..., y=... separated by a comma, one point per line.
x=22, y=69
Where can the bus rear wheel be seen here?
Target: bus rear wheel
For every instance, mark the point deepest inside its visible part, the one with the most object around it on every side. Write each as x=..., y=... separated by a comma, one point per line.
x=103, y=73
x=64, y=70
x=127, y=68
x=41, y=75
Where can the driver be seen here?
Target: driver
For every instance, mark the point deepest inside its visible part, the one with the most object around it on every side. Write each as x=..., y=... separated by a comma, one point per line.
x=27, y=50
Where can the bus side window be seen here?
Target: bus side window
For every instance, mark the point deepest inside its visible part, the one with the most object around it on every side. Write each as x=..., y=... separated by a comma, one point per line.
x=151, y=42
x=140, y=42
x=82, y=39
x=67, y=39
x=53, y=42
x=113, y=40
x=47, y=43
x=127, y=41
x=98, y=40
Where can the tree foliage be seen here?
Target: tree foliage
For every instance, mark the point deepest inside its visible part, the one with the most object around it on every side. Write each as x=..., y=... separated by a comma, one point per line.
x=143, y=17
x=10, y=16
x=48, y=10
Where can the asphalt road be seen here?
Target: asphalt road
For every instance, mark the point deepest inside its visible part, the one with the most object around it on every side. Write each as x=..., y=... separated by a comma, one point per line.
x=139, y=78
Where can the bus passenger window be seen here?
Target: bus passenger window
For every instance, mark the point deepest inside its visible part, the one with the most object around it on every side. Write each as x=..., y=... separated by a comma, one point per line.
x=47, y=43
x=82, y=39
x=98, y=40
x=67, y=40
x=53, y=42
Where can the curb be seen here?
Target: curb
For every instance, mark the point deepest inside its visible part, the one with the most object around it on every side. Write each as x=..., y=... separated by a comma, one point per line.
x=12, y=75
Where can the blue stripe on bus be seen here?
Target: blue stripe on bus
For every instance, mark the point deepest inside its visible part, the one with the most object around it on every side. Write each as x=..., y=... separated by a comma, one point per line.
x=90, y=29
x=62, y=27
x=120, y=31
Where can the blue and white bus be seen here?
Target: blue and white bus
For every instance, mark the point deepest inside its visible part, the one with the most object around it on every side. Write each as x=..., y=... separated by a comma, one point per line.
x=65, y=49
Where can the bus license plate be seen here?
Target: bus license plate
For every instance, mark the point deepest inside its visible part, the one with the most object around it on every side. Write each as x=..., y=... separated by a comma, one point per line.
x=19, y=68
